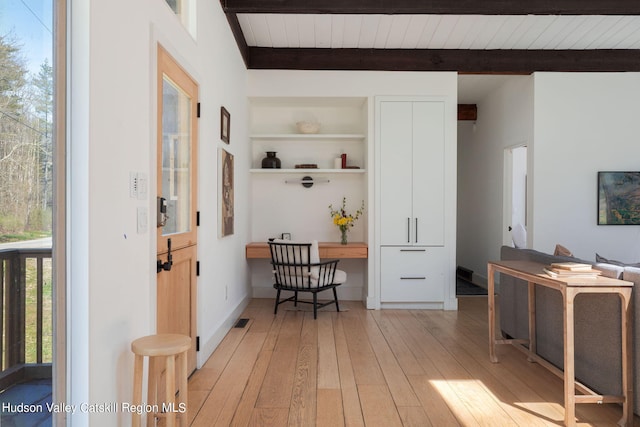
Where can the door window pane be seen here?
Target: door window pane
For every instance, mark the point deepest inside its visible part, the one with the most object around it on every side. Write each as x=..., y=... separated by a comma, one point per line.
x=176, y=157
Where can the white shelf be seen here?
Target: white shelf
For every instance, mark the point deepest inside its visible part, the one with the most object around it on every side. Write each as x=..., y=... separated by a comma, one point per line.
x=306, y=171
x=310, y=136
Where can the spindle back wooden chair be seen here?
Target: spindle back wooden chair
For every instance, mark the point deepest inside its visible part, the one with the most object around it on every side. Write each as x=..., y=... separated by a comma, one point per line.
x=297, y=268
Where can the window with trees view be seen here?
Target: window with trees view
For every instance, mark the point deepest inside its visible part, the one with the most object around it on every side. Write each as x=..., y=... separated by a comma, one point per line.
x=26, y=123
x=27, y=200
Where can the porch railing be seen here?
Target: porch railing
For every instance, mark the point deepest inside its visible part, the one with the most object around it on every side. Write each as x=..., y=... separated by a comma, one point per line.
x=25, y=312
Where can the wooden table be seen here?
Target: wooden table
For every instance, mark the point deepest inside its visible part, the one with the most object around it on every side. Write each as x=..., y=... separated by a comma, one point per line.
x=328, y=250
x=533, y=274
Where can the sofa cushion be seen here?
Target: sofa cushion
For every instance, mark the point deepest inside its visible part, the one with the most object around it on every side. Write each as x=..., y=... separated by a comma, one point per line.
x=600, y=258
x=609, y=270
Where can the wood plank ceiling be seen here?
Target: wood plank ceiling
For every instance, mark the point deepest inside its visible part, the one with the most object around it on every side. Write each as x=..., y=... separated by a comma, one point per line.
x=468, y=36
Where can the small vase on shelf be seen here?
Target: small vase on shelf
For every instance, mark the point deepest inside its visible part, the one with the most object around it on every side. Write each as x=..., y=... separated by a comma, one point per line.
x=271, y=161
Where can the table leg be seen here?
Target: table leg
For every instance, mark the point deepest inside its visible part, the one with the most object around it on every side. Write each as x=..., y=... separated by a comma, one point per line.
x=568, y=296
x=492, y=313
x=532, y=319
x=627, y=360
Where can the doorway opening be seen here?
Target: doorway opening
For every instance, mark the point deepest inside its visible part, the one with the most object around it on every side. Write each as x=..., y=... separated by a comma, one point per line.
x=515, y=196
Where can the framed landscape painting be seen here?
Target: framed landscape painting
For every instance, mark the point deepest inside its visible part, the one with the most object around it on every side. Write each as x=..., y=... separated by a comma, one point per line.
x=618, y=198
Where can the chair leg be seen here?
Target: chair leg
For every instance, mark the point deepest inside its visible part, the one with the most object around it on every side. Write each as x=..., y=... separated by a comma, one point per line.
x=315, y=305
x=335, y=297
x=295, y=299
x=275, y=311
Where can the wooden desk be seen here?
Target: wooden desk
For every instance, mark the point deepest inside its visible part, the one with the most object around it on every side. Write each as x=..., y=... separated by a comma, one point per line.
x=328, y=250
x=533, y=274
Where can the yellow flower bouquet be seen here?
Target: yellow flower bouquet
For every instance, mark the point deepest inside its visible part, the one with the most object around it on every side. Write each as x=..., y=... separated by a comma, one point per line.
x=343, y=220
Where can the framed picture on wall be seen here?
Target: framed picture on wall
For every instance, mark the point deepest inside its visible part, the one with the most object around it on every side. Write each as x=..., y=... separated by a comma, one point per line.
x=225, y=125
x=618, y=198
x=226, y=193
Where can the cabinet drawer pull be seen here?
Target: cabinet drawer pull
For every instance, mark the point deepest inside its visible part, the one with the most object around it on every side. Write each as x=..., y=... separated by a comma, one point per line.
x=412, y=278
x=413, y=250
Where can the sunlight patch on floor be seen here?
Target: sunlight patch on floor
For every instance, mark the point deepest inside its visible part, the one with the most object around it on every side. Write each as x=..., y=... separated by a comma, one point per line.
x=473, y=403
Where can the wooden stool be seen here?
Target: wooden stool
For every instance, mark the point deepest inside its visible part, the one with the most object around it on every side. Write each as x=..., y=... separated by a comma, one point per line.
x=168, y=346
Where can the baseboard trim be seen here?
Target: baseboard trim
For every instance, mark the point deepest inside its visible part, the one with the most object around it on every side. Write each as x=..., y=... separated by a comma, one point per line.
x=413, y=305
x=207, y=349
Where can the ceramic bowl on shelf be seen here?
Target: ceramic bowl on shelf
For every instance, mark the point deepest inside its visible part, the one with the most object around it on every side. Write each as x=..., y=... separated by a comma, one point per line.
x=308, y=127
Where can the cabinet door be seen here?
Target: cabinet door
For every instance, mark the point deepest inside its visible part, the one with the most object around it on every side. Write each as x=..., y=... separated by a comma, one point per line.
x=428, y=174
x=396, y=139
x=412, y=274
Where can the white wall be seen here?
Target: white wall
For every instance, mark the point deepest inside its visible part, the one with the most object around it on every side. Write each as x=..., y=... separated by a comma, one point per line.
x=112, y=132
x=584, y=123
x=575, y=125
x=505, y=119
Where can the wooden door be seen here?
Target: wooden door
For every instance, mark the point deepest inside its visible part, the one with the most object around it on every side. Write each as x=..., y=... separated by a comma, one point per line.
x=177, y=190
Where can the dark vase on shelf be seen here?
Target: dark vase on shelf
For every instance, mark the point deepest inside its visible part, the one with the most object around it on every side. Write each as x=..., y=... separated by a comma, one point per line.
x=271, y=161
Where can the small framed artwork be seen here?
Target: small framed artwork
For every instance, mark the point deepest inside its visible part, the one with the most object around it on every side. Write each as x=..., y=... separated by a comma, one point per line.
x=226, y=193
x=225, y=125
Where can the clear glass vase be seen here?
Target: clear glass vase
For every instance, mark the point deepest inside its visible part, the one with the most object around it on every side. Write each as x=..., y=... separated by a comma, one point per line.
x=343, y=237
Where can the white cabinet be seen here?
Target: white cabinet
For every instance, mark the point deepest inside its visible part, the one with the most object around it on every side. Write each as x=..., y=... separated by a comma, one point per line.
x=412, y=274
x=412, y=173
x=411, y=167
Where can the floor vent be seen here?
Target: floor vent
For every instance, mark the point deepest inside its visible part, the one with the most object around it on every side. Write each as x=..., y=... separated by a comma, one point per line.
x=241, y=323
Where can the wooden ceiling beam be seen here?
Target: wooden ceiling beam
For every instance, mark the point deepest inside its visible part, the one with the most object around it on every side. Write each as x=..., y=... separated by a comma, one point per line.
x=437, y=7
x=238, y=35
x=463, y=61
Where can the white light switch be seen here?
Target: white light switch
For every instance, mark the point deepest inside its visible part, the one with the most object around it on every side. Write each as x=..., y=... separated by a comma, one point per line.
x=143, y=219
x=142, y=185
x=133, y=185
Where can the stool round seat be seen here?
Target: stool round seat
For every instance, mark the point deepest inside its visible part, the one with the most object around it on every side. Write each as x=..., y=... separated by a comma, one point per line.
x=172, y=349
x=161, y=345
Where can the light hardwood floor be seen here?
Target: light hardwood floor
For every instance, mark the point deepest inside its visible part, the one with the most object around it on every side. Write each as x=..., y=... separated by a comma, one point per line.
x=375, y=368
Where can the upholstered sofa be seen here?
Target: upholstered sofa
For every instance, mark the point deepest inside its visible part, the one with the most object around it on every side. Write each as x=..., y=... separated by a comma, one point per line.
x=597, y=323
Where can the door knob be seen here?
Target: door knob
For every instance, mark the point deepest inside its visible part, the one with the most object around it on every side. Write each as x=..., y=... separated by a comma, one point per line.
x=165, y=266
